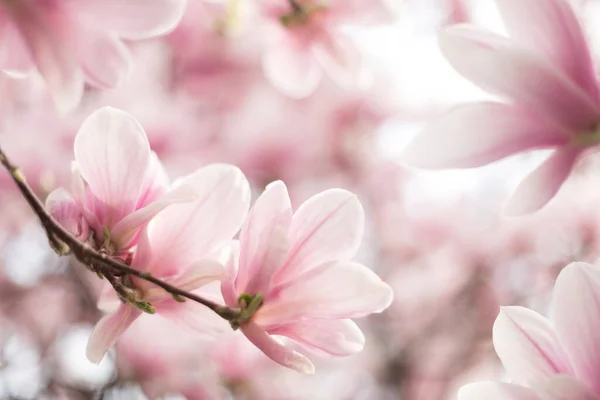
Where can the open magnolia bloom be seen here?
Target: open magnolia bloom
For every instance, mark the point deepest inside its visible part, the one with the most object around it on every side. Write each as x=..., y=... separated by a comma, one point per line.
x=294, y=277
x=545, y=73
x=119, y=184
x=75, y=41
x=550, y=359
x=180, y=246
x=303, y=38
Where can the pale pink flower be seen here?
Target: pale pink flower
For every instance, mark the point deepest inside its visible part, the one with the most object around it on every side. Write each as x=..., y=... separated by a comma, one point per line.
x=119, y=184
x=180, y=246
x=75, y=41
x=303, y=38
x=550, y=359
x=300, y=264
x=545, y=72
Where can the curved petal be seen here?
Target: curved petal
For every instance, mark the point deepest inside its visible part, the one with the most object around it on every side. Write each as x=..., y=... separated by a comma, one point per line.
x=127, y=229
x=543, y=183
x=106, y=60
x=564, y=387
x=67, y=212
x=576, y=318
x=113, y=154
x=341, y=59
x=193, y=316
x=263, y=239
x=185, y=233
x=196, y=276
x=498, y=65
x=551, y=28
x=107, y=331
x=337, y=337
x=289, y=65
x=131, y=19
x=527, y=345
x=327, y=227
x=109, y=301
x=496, y=391
x=277, y=351
x=51, y=38
x=477, y=134
x=14, y=54
x=333, y=291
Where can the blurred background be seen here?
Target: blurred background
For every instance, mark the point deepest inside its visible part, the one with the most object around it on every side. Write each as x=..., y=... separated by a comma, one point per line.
x=439, y=238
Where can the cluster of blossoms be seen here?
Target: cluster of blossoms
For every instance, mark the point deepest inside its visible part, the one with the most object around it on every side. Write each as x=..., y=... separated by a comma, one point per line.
x=283, y=90
x=291, y=273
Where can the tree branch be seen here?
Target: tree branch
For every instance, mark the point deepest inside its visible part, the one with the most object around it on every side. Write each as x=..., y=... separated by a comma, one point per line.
x=63, y=242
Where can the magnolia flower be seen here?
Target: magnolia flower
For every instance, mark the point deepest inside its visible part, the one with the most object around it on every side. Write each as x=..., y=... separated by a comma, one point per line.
x=544, y=71
x=303, y=38
x=75, y=41
x=294, y=277
x=180, y=246
x=119, y=184
x=550, y=359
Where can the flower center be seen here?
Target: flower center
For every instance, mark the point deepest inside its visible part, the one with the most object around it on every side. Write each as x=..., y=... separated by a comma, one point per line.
x=301, y=13
x=586, y=138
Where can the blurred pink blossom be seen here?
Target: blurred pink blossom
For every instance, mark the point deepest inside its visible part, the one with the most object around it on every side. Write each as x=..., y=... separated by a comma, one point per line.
x=549, y=359
x=545, y=71
x=75, y=41
x=303, y=39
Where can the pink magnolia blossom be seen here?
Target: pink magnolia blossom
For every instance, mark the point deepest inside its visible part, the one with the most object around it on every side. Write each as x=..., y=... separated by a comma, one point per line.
x=550, y=359
x=300, y=265
x=303, y=38
x=180, y=246
x=544, y=71
x=119, y=184
x=75, y=41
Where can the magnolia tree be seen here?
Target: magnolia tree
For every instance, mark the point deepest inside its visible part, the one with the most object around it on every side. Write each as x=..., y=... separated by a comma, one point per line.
x=233, y=199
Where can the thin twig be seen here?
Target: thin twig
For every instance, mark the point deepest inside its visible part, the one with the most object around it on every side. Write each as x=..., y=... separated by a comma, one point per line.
x=63, y=241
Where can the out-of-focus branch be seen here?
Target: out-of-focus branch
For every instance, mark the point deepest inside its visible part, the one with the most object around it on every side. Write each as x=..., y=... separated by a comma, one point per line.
x=64, y=242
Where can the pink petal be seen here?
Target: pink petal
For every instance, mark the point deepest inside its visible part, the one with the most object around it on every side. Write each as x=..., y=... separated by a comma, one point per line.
x=107, y=331
x=113, y=154
x=51, y=38
x=477, y=134
x=363, y=12
x=332, y=291
x=338, y=337
x=277, y=351
x=14, y=54
x=185, y=233
x=289, y=65
x=527, y=345
x=193, y=316
x=108, y=301
x=106, y=60
x=551, y=28
x=498, y=65
x=576, y=319
x=341, y=59
x=67, y=212
x=543, y=183
x=564, y=387
x=496, y=391
x=264, y=239
x=199, y=274
x=131, y=19
x=127, y=229
x=328, y=226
